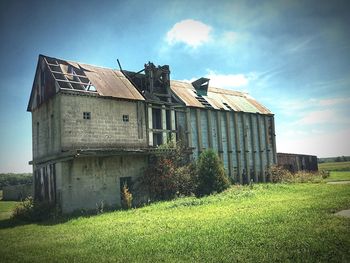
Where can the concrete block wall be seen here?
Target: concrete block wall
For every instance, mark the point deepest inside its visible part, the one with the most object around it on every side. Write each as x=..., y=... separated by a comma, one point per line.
x=106, y=127
x=84, y=182
x=46, y=128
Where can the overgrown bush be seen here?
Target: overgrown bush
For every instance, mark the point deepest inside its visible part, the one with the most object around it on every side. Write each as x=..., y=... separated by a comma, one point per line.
x=159, y=178
x=170, y=173
x=186, y=179
x=211, y=174
x=32, y=211
x=280, y=175
x=126, y=197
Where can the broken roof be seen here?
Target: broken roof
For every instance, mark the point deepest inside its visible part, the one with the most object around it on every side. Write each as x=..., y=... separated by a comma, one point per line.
x=80, y=77
x=217, y=98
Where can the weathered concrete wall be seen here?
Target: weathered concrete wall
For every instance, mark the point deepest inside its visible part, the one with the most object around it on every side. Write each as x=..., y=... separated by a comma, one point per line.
x=244, y=141
x=17, y=192
x=106, y=127
x=46, y=128
x=297, y=162
x=83, y=183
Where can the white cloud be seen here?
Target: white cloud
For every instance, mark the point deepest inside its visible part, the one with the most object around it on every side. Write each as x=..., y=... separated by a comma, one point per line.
x=190, y=32
x=334, y=101
x=316, y=117
x=324, y=117
x=325, y=144
x=227, y=80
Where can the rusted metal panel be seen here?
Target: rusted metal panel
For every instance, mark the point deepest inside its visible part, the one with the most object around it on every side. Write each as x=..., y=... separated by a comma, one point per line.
x=111, y=83
x=108, y=82
x=218, y=98
x=186, y=93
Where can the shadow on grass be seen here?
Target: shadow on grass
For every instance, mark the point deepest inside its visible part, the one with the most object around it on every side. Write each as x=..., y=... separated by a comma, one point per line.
x=61, y=219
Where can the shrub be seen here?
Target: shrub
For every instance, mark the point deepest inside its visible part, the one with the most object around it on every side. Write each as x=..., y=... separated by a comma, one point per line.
x=279, y=174
x=159, y=178
x=126, y=197
x=186, y=180
x=31, y=210
x=324, y=174
x=169, y=174
x=211, y=174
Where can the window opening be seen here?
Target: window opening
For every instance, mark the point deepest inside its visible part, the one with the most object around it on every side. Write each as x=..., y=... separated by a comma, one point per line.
x=125, y=118
x=86, y=115
x=204, y=102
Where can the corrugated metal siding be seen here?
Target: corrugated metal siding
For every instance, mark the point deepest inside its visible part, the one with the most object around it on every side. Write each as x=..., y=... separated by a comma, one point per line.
x=204, y=125
x=214, y=124
x=233, y=146
x=194, y=133
x=181, y=125
x=224, y=140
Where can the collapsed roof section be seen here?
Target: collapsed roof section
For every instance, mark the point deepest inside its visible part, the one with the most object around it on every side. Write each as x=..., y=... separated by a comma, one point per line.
x=215, y=98
x=154, y=85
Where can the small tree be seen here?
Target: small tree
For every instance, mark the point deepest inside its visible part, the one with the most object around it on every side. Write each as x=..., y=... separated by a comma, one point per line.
x=211, y=174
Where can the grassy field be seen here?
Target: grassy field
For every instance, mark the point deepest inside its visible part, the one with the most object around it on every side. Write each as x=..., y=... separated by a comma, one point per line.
x=339, y=176
x=269, y=223
x=335, y=166
x=6, y=208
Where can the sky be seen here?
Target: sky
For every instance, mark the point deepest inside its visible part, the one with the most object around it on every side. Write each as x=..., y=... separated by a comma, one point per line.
x=292, y=56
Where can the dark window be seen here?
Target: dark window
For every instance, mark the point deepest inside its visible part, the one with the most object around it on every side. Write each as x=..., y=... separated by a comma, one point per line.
x=87, y=115
x=127, y=181
x=125, y=118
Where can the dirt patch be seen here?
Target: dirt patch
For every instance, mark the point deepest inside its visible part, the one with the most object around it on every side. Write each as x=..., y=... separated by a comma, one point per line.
x=345, y=213
x=339, y=182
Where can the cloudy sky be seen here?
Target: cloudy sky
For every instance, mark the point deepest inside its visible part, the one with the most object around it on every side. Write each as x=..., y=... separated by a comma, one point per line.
x=293, y=56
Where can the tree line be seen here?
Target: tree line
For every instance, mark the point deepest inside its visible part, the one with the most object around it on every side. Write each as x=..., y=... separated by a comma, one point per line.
x=7, y=179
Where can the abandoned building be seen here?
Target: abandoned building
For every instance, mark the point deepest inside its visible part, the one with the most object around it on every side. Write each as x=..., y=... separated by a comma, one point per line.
x=297, y=162
x=94, y=128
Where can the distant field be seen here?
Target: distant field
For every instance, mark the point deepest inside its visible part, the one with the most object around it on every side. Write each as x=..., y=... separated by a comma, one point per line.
x=335, y=166
x=268, y=223
x=6, y=208
x=339, y=176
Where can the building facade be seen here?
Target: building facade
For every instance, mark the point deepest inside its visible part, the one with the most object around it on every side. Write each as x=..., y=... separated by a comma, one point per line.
x=297, y=162
x=94, y=129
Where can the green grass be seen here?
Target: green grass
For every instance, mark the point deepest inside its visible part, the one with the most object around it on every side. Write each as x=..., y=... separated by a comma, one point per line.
x=6, y=208
x=269, y=223
x=335, y=166
x=339, y=176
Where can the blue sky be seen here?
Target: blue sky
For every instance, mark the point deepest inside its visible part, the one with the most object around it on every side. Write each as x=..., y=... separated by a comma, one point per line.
x=293, y=56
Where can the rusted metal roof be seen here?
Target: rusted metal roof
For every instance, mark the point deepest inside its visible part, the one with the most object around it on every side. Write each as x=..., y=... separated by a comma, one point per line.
x=218, y=98
x=113, y=83
x=107, y=82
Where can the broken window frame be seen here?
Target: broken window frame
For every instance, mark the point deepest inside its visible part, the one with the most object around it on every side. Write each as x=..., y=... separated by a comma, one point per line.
x=78, y=82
